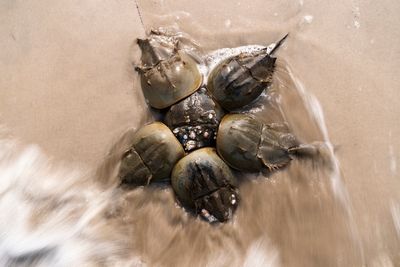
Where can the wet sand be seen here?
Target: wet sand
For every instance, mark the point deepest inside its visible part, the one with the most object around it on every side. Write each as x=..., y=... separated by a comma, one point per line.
x=68, y=85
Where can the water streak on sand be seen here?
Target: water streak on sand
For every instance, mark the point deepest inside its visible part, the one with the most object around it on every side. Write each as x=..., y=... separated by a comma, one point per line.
x=343, y=210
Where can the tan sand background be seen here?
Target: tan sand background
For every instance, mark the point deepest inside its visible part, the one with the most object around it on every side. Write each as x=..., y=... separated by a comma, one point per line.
x=67, y=82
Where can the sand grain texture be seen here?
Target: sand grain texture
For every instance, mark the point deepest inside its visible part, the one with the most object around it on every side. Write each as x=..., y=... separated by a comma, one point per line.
x=67, y=84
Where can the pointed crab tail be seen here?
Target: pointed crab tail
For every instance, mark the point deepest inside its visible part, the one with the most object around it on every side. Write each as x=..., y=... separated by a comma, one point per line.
x=278, y=44
x=312, y=151
x=304, y=150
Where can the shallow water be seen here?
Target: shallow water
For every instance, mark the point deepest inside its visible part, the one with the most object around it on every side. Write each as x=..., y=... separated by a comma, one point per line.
x=336, y=83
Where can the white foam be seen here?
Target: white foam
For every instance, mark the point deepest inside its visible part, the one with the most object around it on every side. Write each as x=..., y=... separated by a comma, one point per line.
x=308, y=19
x=392, y=161
x=212, y=59
x=338, y=188
x=32, y=189
x=395, y=210
x=261, y=253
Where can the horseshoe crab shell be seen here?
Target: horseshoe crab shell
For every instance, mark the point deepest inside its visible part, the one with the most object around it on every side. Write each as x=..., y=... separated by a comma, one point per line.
x=195, y=120
x=168, y=74
x=203, y=182
x=239, y=80
x=246, y=144
x=153, y=154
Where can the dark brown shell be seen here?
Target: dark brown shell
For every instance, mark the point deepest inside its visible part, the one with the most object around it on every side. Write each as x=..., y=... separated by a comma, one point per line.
x=168, y=74
x=238, y=140
x=203, y=182
x=153, y=154
x=195, y=120
x=249, y=145
x=239, y=80
x=132, y=169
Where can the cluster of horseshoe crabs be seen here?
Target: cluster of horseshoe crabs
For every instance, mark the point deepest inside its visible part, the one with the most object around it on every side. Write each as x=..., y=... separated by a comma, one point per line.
x=199, y=142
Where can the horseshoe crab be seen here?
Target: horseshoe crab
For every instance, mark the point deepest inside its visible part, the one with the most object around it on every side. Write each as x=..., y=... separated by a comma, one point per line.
x=195, y=120
x=152, y=155
x=168, y=73
x=203, y=182
x=246, y=144
x=239, y=80
x=202, y=178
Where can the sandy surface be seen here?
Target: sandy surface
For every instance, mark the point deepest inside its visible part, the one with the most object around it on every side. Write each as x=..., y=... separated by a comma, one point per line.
x=67, y=82
x=67, y=79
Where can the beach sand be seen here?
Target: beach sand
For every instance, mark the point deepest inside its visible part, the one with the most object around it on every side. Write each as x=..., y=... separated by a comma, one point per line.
x=68, y=85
